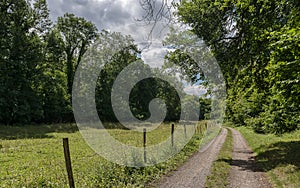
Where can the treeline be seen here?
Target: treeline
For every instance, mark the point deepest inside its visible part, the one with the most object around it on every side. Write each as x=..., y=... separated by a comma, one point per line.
x=257, y=47
x=38, y=60
x=122, y=52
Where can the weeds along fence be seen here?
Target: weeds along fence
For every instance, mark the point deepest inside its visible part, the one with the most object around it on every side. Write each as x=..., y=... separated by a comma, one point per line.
x=199, y=129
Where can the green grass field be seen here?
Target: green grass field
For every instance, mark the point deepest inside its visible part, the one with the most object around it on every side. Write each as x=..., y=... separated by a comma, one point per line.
x=278, y=156
x=32, y=156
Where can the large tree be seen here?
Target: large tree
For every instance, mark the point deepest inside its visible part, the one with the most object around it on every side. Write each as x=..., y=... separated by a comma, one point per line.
x=77, y=34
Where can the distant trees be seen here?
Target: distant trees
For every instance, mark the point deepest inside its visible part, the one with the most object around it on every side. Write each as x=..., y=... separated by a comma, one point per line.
x=38, y=60
x=123, y=52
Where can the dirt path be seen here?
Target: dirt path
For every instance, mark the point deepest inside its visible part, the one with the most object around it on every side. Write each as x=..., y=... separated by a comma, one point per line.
x=193, y=173
x=244, y=173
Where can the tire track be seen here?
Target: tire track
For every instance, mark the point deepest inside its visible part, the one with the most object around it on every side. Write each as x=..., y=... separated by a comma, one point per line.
x=193, y=173
x=244, y=172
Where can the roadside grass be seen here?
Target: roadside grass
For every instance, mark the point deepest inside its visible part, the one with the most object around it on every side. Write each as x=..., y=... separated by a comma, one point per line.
x=219, y=177
x=278, y=156
x=33, y=157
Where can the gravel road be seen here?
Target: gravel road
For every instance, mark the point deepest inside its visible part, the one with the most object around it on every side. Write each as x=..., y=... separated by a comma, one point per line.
x=244, y=173
x=193, y=172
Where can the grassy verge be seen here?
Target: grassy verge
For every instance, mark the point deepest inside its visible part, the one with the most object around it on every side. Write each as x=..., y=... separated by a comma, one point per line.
x=220, y=170
x=33, y=157
x=278, y=156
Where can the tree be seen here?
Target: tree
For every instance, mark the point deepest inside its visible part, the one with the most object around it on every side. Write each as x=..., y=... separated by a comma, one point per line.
x=113, y=52
x=37, y=61
x=247, y=38
x=41, y=13
x=53, y=88
x=20, y=57
x=283, y=110
x=77, y=34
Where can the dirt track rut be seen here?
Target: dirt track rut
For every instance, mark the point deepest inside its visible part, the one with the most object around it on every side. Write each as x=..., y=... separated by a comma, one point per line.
x=244, y=172
x=192, y=174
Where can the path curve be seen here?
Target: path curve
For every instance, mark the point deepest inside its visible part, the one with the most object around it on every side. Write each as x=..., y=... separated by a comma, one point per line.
x=194, y=171
x=244, y=172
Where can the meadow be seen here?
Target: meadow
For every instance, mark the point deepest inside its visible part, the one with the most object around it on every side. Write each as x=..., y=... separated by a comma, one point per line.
x=32, y=156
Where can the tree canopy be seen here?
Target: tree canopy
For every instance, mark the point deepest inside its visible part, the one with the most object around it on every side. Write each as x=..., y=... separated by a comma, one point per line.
x=256, y=44
x=38, y=60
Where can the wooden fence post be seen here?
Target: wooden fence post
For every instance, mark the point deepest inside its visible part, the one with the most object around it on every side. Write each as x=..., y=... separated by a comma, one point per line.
x=68, y=162
x=145, y=152
x=184, y=126
x=172, y=134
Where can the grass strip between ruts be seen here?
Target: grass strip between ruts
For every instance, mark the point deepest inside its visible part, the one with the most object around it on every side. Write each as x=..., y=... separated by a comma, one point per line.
x=220, y=170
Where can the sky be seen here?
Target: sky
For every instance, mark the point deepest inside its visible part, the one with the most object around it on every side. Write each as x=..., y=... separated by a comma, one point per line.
x=106, y=14
x=121, y=16
x=116, y=15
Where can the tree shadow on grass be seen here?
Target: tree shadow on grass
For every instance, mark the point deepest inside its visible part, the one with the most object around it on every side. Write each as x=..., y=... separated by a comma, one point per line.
x=35, y=131
x=274, y=155
x=279, y=154
x=244, y=165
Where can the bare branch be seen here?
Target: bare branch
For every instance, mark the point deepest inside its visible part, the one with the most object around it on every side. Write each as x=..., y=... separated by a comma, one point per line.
x=157, y=11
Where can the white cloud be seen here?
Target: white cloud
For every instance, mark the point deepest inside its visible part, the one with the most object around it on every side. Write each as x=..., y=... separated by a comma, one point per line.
x=195, y=90
x=113, y=15
x=154, y=55
x=104, y=13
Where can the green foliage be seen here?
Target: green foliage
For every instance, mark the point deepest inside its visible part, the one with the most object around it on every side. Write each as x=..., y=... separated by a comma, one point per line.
x=115, y=52
x=38, y=62
x=256, y=44
x=149, y=89
x=283, y=111
x=19, y=58
x=179, y=61
x=205, y=108
x=76, y=34
x=34, y=78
